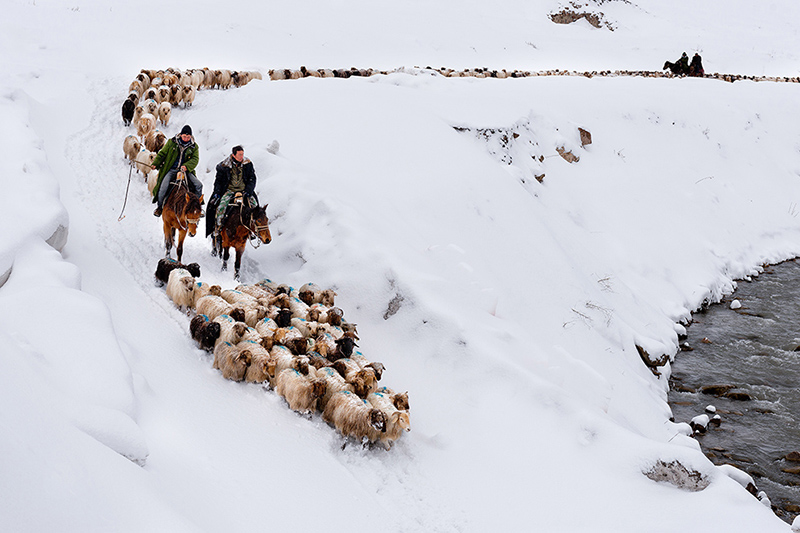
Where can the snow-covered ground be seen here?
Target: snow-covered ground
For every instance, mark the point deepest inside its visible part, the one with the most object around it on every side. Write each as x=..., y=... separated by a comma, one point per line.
x=509, y=309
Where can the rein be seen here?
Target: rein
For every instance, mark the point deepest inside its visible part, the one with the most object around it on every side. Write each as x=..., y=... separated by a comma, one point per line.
x=180, y=182
x=253, y=237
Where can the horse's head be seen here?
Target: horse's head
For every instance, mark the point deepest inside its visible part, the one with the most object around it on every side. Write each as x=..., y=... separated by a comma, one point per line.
x=192, y=213
x=259, y=224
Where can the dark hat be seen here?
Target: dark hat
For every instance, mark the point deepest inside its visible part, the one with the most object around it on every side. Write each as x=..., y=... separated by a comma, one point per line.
x=187, y=130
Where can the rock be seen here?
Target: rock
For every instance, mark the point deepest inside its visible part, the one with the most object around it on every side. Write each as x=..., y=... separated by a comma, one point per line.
x=652, y=365
x=793, y=456
x=568, y=156
x=700, y=423
x=706, y=340
x=736, y=304
x=716, y=420
x=586, y=137
x=792, y=508
x=685, y=347
x=539, y=178
x=711, y=409
x=717, y=390
x=738, y=396
x=791, y=470
x=678, y=475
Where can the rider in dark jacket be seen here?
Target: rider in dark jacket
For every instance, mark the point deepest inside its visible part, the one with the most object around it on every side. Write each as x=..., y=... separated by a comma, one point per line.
x=235, y=174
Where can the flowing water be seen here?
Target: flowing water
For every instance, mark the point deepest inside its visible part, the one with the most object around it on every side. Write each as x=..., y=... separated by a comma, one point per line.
x=752, y=349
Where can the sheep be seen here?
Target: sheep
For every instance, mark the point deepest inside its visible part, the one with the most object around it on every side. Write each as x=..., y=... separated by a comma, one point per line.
x=233, y=296
x=144, y=80
x=306, y=328
x=300, y=392
x=146, y=124
x=167, y=265
x=299, y=308
x=254, y=314
x=208, y=78
x=213, y=306
x=311, y=294
x=266, y=327
x=256, y=291
x=256, y=75
x=363, y=380
x=133, y=96
x=137, y=114
x=276, y=75
x=334, y=383
x=144, y=161
x=363, y=362
x=326, y=73
x=230, y=330
x=175, y=94
x=128, y=108
x=136, y=86
x=223, y=78
x=197, y=77
x=232, y=361
x=309, y=73
x=151, y=107
x=164, y=112
x=285, y=336
x=262, y=366
x=353, y=417
x=180, y=288
x=204, y=331
x=131, y=147
x=399, y=399
x=397, y=421
x=202, y=289
x=327, y=315
x=189, y=93
x=286, y=359
x=163, y=93
x=155, y=140
x=152, y=179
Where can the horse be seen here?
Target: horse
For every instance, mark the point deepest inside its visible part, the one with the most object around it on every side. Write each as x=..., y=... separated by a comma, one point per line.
x=241, y=223
x=182, y=210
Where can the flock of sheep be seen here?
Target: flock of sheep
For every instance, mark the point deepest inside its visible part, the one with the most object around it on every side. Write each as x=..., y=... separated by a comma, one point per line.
x=151, y=97
x=297, y=342
x=303, y=72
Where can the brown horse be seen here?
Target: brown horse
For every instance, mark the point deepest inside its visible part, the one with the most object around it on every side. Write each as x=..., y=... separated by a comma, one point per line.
x=242, y=223
x=181, y=212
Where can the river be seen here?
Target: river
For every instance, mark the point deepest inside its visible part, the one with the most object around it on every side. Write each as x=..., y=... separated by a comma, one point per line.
x=752, y=348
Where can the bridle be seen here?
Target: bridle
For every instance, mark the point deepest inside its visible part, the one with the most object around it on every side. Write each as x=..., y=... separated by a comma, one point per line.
x=180, y=181
x=253, y=228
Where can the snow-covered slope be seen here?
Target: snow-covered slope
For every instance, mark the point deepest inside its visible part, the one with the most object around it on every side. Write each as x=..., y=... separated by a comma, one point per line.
x=509, y=309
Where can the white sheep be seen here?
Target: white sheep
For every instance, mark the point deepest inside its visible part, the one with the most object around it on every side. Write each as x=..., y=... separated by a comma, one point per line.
x=152, y=179
x=189, y=93
x=312, y=294
x=256, y=75
x=233, y=296
x=231, y=360
x=164, y=112
x=131, y=147
x=334, y=383
x=262, y=366
x=300, y=392
x=144, y=161
x=266, y=327
x=146, y=124
x=397, y=421
x=256, y=291
x=136, y=86
x=230, y=330
x=209, y=79
x=284, y=359
x=399, y=399
x=204, y=289
x=354, y=417
x=212, y=306
x=180, y=288
x=137, y=114
x=163, y=93
x=151, y=106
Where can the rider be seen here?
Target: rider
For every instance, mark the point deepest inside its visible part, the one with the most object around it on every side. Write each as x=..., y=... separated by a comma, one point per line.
x=179, y=153
x=235, y=174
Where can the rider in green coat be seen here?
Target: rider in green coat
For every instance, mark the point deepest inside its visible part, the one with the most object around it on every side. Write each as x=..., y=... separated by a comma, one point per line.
x=179, y=153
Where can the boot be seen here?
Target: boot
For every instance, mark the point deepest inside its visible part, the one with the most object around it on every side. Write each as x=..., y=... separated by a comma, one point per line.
x=157, y=212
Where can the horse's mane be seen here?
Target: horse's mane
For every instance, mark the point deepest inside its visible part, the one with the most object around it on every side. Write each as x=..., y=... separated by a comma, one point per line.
x=177, y=199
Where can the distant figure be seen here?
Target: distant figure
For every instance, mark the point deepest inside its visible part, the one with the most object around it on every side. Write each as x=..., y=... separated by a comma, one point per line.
x=680, y=67
x=696, y=66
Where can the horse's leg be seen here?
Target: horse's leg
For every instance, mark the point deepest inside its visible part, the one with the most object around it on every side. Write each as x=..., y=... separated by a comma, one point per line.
x=238, y=263
x=179, y=249
x=167, y=239
x=226, y=254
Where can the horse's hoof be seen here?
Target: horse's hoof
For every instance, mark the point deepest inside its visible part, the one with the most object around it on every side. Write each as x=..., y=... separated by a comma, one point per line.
x=224, y=267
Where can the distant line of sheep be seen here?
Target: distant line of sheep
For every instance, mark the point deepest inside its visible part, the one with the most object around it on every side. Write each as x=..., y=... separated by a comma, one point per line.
x=303, y=72
x=158, y=91
x=298, y=343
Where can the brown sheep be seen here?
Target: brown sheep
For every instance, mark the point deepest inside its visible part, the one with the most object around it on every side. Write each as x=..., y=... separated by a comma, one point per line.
x=262, y=366
x=204, y=331
x=231, y=361
x=399, y=399
x=333, y=381
x=353, y=417
x=363, y=380
x=397, y=421
x=155, y=141
x=300, y=392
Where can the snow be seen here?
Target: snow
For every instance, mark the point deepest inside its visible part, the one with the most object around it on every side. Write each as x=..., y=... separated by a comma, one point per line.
x=509, y=309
